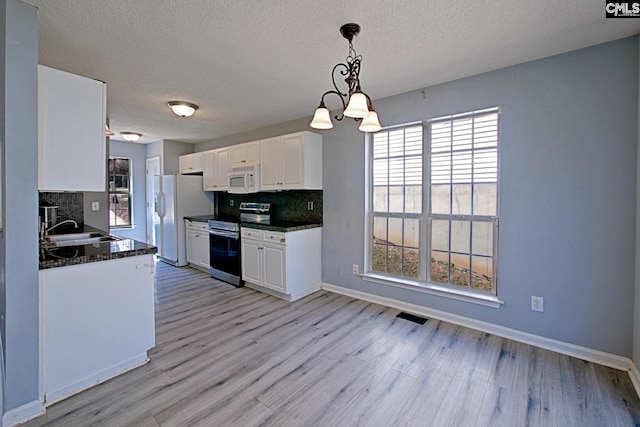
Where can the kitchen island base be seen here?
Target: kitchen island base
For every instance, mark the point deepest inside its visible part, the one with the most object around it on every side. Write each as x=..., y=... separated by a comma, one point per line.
x=97, y=320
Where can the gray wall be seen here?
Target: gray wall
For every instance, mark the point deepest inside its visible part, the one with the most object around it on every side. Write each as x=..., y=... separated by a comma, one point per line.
x=169, y=153
x=19, y=133
x=137, y=154
x=567, y=196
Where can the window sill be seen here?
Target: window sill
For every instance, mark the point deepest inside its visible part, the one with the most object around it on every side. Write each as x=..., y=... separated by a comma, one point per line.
x=126, y=227
x=438, y=290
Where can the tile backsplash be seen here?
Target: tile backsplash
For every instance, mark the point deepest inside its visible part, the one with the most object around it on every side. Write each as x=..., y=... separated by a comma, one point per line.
x=287, y=205
x=70, y=205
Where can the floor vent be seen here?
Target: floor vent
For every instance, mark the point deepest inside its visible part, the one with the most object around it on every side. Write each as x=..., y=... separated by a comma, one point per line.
x=412, y=318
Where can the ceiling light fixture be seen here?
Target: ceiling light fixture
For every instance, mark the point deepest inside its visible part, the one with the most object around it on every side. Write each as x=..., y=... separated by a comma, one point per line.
x=358, y=104
x=131, y=136
x=107, y=131
x=182, y=108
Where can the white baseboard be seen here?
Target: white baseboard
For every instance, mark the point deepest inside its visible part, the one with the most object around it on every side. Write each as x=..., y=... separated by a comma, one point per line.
x=580, y=352
x=634, y=374
x=60, y=393
x=23, y=413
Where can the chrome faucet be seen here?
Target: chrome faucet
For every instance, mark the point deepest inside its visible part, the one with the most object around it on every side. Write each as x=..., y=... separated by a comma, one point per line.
x=44, y=232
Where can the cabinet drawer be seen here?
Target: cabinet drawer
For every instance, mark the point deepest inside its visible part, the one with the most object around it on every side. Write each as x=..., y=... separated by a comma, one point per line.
x=272, y=236
x=251, y=233
x=196, y=225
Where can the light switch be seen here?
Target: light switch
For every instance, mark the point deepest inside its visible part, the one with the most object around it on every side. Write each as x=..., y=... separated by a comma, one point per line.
x=95, y=206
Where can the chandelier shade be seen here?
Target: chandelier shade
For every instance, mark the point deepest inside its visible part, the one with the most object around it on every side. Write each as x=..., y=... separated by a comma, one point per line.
x=370, y=123
x=321, y=119
x=355, y=103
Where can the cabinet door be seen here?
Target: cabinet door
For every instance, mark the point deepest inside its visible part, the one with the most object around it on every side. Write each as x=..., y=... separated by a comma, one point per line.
x=252, y=153
x=71, y=141
x=271, y=163
x=221, y=169
x=208, y=173
x=251, y=261
x=191, y=245
x=293, y=161
x=247, y=154
x=274, y=267
x=202, y=248
x=190, y=163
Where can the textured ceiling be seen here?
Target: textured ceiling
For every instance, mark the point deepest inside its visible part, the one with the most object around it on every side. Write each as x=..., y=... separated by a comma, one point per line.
x=254, y=63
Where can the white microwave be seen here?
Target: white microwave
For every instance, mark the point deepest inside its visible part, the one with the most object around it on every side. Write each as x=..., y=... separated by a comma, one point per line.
x=244, y=180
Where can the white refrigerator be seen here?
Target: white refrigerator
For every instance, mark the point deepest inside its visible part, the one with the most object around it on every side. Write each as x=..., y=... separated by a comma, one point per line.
x=177, y=196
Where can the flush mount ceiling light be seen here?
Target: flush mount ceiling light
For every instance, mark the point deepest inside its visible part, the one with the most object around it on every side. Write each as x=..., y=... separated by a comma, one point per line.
x=131, y=136
x=182, y=108
x=107, y=131
x=358, y=104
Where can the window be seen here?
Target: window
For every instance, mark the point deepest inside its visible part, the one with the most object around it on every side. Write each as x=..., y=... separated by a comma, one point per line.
x=455, y=202
x=120, y=193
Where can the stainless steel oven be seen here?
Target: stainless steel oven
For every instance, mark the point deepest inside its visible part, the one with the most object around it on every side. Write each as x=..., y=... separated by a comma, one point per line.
x=224, y=251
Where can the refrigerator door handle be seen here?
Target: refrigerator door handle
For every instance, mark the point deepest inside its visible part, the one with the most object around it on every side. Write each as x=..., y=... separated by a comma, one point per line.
x=160, y=208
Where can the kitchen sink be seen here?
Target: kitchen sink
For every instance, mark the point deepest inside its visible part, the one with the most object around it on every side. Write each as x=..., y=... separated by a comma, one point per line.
x=76, y=239
x=72, y=236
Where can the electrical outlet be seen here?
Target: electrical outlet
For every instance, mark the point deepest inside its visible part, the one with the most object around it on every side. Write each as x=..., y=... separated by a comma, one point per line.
x=537, y=303
x=231, y=202
x=356, y=269
x=310, y=206
x=95, y=206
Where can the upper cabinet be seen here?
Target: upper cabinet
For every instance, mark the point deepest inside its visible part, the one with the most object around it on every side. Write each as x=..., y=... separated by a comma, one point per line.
x=191, y=164
x=291, y=162
x=72, y=146
x=247, y=154
x=216, y=167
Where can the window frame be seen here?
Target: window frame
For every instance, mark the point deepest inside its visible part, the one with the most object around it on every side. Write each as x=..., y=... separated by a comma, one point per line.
x=423, y=283
x=128, y=193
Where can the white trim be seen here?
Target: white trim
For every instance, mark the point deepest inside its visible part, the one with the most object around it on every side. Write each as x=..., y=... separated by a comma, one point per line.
x=634, y=374
x=432, y=289
x=591, y=355
x=23, y=413
x=83, y=384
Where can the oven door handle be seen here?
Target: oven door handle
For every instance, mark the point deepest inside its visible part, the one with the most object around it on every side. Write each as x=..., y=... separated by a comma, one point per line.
x=229, y=234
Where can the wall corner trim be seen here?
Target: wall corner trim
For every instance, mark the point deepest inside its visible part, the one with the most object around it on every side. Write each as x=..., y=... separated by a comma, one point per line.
x=580, y=352
x=23, y=413
x=634, y=374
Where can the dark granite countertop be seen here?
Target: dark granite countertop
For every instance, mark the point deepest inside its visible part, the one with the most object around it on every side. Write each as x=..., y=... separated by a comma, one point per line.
x=281, y=226
x=84, y=254
x=200, y=218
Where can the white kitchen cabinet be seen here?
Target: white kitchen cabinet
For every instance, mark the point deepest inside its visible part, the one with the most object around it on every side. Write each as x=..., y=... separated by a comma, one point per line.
x=197, y=244
x=216, y=168
x=72, y=146
x=97, y=320
x=291, y=162
x=247, y=154
x=287, y=265
x=191, y=164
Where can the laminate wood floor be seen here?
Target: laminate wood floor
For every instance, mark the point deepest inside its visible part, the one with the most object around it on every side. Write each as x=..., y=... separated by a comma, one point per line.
x=229, y=356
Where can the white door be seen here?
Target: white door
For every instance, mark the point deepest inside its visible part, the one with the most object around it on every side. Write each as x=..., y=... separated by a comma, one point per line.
x=251, y=261
x=274, y=267
x=271, y=163
x=222, y=168
x=152, y=170
x=293, y=161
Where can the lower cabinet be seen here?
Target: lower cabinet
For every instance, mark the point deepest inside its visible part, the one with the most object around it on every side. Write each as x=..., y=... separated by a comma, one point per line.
x=287, y=265
x=97, y=320
x=197, y=244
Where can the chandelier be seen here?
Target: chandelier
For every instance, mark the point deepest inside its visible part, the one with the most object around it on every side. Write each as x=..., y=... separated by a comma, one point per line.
x=358, y=104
